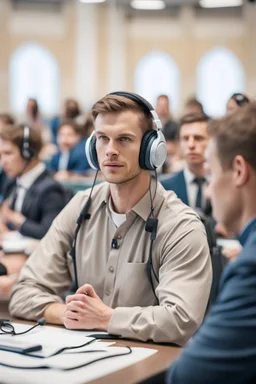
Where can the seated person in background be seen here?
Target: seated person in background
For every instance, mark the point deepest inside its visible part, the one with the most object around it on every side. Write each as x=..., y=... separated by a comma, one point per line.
x=164, y=113
x=224, y=348
x=32, y=198
x=192, y=106
x=141, y=263
x=174, y=162
x=189, y=184
x=236, y=101
x=71, y=160
x=71, y=112
x=5, y=119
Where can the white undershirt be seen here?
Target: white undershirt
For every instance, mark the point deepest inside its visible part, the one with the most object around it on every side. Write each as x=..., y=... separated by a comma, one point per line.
x=118, y=218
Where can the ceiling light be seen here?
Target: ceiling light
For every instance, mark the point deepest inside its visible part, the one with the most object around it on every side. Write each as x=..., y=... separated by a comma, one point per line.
x=148, y=4
x=220, y=3
x=91, y=1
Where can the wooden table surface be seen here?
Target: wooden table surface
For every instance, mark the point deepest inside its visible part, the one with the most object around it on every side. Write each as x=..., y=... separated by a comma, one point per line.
x=159, y=362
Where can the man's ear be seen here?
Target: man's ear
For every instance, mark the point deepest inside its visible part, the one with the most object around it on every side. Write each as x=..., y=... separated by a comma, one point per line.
x=241, y=171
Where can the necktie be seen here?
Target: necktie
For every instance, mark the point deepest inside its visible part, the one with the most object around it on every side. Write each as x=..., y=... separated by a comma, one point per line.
x=199, y=181
x=14, y=198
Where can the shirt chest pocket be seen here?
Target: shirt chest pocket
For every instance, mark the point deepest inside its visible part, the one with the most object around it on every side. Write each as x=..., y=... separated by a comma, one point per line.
x=135, y=288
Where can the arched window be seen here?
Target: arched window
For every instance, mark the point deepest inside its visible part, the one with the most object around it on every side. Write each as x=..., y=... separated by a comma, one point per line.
x=34, y=73
x=219, y=75
x=156, y=74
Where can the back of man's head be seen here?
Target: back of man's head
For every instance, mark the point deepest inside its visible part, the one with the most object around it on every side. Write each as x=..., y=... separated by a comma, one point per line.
x=235, y=134
x=116, y=104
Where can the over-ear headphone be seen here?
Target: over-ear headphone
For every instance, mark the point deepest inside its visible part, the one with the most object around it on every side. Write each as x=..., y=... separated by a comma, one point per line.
x=27, y=152
x=153, y=145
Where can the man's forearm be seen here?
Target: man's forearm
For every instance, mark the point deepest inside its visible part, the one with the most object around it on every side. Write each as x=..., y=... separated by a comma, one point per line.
x=54, y=313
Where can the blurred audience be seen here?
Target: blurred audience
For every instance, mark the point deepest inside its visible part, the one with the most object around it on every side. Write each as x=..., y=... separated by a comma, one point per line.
x=5, y=119
x=34, y=120
x=71, y=111
x=70, y=162
x=192, y=105
x=174, y=162
x=170, y=127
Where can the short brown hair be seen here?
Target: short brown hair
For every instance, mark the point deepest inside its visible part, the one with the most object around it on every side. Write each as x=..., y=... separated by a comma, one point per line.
x=193, y=102
x=193, y=118
x=15, y=134
x=235, y=134
x=6, y=118
x=116, y=103
x=73, y=124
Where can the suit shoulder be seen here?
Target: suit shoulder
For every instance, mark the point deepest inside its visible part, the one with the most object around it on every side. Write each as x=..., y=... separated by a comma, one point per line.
x=172, y=181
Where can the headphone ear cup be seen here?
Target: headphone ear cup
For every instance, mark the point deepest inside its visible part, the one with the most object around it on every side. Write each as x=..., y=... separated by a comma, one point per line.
x=91, y=153
x=27, y=153
x=145, y=160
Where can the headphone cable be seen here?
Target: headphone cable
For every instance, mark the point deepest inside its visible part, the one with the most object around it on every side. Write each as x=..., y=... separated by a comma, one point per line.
x=83, y=216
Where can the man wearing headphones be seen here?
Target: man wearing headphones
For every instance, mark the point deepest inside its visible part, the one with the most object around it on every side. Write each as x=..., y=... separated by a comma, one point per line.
x=31, y=198
x=137, y=255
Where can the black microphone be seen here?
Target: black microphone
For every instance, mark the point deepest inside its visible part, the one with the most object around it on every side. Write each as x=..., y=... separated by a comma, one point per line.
x=151, y=227
x=114, y=244
x=84, y=215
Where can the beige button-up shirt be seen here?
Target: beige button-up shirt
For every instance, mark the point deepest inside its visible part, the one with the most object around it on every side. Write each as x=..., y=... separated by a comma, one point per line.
x=181, y=261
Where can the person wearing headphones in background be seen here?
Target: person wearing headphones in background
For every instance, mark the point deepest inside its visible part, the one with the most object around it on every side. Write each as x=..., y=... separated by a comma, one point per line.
x=236, y=101
x=31, y=199
x=137, y=256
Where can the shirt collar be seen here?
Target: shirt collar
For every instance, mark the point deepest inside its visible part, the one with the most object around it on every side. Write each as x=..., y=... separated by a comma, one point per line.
x=190, y=177
x=250, y=227
x=142, y=208
x=29, y=177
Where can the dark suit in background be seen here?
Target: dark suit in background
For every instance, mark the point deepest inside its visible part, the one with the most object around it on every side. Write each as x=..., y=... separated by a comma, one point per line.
x=42, y=203
x=3, y=181
x=77, y=161
x=224, y=348
x=177, y=184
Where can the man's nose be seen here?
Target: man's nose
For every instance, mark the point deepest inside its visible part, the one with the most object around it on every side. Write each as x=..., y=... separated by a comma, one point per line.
x=191, y=142
x=111, y=149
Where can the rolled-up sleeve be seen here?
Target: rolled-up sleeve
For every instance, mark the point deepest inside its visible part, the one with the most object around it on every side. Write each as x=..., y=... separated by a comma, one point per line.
x=46, y=277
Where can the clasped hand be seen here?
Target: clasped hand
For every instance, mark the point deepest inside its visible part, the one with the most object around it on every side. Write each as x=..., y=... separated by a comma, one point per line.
x=85, y=310
x=9, y=216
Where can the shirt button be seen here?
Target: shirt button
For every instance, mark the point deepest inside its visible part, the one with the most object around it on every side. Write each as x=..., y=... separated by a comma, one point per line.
x=119, y=237
x=107, y=292
x=111, y=269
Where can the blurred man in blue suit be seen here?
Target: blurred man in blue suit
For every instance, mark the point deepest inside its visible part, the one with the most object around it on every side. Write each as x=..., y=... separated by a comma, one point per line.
x=224, y=348
x=189, y=184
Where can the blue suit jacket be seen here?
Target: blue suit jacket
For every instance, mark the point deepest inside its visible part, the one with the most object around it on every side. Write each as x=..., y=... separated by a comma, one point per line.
x=77, y=161
x=177, y=184
x=224, y=348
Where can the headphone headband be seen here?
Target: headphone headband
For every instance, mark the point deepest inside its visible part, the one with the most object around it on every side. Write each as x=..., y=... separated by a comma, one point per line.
x=27, y=152
x=143, y=103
